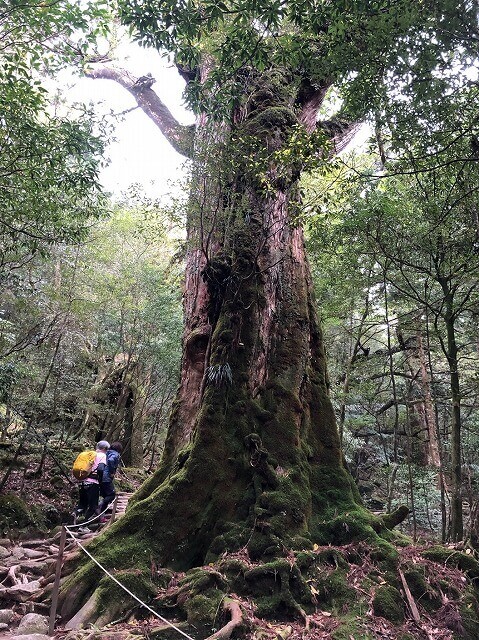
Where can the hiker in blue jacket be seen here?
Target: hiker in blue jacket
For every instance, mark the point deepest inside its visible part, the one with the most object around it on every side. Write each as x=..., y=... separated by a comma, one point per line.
x=107, y=488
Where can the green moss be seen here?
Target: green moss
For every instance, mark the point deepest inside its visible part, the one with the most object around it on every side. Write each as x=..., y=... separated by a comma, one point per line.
x=202, y=609
x=470, y=616
x=332, y=557
x=350, y=626
x=421, y=590
x=343, y=529
x=136, y=581
x=462, y=561
x=14, y=513
x=269, y=606
x=385, y=554
x=333, y=589
x=387, y=603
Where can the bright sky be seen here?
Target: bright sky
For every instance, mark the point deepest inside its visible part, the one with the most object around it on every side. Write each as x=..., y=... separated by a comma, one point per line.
x=140, y=153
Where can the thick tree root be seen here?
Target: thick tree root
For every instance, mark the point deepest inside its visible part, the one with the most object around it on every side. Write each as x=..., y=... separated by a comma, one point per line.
x=236, y=620
x=84, y=615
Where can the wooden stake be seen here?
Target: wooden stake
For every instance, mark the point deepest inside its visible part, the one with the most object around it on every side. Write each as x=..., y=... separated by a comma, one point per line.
x=56, y=585
x=113, y=509
x=410, y=599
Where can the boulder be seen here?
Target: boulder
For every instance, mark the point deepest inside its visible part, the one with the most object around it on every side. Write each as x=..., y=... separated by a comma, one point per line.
x=4, y=553
x=6, y=616
x=35, y=567
x=33, y=553
x=33, y=623
x=3, y=626
x=20, y=592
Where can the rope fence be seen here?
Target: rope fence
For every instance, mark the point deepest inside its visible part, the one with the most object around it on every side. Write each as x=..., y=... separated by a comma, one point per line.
x=66, y=531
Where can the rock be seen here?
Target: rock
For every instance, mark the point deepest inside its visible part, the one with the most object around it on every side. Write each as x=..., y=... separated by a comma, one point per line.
x=20, y=592
x=18, y=552
x=3, y=626
x=37, y=568
x=4, y=553
x=33, y=553
x=6, y=616
x=32, y=636
x=33, y=623
x=37, y=543
x=25, y=607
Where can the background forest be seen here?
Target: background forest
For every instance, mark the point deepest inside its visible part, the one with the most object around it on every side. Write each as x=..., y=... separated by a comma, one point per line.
x=90, y=318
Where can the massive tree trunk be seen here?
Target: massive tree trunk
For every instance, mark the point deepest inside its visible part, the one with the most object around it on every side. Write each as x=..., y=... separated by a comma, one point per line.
x=252, y=458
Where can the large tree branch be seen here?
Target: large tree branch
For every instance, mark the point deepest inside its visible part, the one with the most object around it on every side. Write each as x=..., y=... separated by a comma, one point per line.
x=179, y=136
x=340, y=132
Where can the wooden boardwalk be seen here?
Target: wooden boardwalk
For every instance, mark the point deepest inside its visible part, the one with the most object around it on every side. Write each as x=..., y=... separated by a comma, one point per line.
x=120, y=504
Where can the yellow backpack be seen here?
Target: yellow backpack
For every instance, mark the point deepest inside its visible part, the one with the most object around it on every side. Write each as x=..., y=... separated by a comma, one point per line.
x=83, y=464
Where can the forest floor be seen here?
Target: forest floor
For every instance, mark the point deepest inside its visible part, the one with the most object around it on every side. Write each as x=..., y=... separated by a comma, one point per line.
x=36, y=499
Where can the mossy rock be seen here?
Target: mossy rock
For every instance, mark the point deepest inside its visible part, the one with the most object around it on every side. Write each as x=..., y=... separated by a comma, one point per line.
x=346, y=528
x=385, y=554
x=453, y=558
x=421, y=590
x=14, y=513
x=388, y=603
x=470, y=616
x=333, y=589
x=203, y=609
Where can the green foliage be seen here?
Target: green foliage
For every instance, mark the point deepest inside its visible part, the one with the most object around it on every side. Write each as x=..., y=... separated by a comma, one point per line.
x=361, y=45
x=49, y=164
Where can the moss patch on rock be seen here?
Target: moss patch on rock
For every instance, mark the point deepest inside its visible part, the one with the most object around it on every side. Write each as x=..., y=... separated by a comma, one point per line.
x=454, y=558
x=14, y=513
x=388, y=603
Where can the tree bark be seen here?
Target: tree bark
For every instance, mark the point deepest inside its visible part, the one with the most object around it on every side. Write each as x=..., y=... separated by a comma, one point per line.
x=457, y=531
x=252, y=457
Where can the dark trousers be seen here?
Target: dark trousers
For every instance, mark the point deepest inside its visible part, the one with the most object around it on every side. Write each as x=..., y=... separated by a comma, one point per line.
x=88, y=500
x=107, y=492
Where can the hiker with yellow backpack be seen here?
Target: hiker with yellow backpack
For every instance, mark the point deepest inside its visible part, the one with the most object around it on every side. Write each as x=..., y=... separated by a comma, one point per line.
x=87, y=468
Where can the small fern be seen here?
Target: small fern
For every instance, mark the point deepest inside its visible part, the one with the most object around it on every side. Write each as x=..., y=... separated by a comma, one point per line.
x=219, y=375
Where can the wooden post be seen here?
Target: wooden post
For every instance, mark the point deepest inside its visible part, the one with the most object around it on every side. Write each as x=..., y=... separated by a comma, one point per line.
x=113, y=509
x=56, y=584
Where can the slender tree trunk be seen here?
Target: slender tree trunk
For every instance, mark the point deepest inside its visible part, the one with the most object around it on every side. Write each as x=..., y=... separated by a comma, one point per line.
x=442, y=480
x=456, y=454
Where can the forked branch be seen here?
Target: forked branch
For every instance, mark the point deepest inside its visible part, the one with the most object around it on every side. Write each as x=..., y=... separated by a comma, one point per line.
x=179, y=136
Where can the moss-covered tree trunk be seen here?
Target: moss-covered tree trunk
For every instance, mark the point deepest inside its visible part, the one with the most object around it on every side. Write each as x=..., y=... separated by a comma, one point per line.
x=252, y=458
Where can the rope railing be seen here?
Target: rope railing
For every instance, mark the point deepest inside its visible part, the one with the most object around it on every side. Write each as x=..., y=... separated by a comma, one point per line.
x=130, y=593
x=66, y=531
x=92, y=519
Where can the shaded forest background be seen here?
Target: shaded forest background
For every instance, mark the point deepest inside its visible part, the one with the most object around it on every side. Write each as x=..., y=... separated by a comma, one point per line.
x=90, y=309
x=90, y=336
